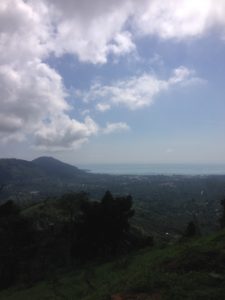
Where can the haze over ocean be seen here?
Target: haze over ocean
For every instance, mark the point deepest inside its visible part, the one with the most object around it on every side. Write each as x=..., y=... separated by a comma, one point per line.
x=155, y=169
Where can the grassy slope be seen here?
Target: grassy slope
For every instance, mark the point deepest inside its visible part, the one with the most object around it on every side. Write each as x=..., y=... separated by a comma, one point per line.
x=189, y=270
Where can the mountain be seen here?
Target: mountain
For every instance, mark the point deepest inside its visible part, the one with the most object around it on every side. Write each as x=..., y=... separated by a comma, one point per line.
x=56, y=168
x=43, y=177
x=22, y=170
x=12, y=169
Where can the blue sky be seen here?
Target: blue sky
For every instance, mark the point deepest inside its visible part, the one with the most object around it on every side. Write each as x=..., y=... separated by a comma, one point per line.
x=98, y=82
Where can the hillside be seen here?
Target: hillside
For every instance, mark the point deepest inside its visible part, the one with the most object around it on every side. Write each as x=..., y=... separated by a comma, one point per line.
x=34, y=180
x=22, y=170
x=162, y=203
x=55, y=168
x=19, y=170
x=188, y=270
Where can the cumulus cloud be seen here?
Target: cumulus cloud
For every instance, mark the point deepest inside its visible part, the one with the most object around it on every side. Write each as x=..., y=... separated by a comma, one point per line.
x=32, y=95
x=134, y=92
x=138, y=91
x=25, y=31
x=33, y=102
x=94, y=29
x=91, y=29
x=63, y=133
x=179, y=19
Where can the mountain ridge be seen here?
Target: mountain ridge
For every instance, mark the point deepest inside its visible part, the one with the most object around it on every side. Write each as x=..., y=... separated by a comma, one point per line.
x=46, y=175
x=13, y=168
x=55, y=167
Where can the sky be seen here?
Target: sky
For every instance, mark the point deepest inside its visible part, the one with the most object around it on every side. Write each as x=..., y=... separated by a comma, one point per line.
x=97, y=81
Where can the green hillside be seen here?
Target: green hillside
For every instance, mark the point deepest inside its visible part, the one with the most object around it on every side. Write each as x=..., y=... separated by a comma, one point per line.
x=188, y=270
x=57, y=169
x=42, y=167
x=31, y=181
x=18, y=170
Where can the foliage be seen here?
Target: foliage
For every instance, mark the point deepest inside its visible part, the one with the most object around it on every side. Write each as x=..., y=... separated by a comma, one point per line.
x=163, y=204
x=171, y=273
x=16, y=243
x=104, y=226
x=222, y=219
x=60, y=233
x=190, y=230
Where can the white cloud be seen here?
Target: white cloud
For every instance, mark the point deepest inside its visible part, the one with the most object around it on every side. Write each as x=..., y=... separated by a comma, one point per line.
x=115, y=127
x=63, y=133
x=25, y=32
x=32, y=94
x=180, y=74
x=138, y=91
x=103, y=107
x=179, y=19
x=94, y=29
x=185, y=77
x=33, y=102
x=91, y=29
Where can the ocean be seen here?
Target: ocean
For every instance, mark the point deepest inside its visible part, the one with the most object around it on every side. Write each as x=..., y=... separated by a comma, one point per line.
x=155, y=169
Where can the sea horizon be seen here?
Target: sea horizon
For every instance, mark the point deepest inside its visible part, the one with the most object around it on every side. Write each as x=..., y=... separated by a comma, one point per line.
x=154, y=169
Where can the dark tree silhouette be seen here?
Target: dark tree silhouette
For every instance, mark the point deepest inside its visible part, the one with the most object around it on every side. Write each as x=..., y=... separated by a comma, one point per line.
x=190, y=230
x=70, y=204
x=222, y=219
x=1, y=187
x=75, y=230
x=15, y=241
x=104, y=226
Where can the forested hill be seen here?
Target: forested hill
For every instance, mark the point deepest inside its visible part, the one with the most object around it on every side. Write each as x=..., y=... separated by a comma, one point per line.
x=162, y=203
x=22, y=170
x=53, y=167
x=22, y=180
x=18, y=169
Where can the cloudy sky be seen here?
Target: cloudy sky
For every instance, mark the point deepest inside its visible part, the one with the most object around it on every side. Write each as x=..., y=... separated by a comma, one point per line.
x=113, y=81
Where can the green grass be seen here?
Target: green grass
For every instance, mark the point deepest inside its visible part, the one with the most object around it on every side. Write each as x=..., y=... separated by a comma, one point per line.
x=188, y=270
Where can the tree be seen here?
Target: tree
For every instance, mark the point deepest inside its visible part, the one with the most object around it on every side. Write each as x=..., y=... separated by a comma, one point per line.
x=190, y=230
x=16, y=239
x=70, y=204
x=103, y=226
x=222, y=219
x=1, y=187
